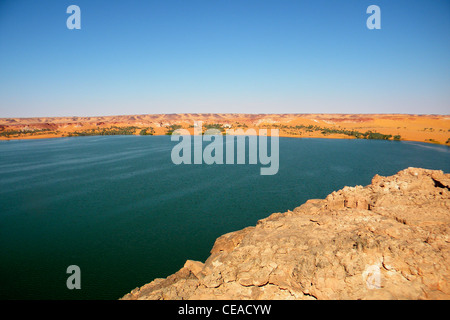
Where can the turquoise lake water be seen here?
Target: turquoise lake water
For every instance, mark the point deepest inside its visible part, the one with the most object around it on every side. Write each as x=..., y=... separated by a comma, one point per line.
x=118, y=207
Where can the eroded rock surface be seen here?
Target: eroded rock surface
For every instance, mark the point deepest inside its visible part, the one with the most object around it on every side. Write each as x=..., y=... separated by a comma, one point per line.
x=388, y=240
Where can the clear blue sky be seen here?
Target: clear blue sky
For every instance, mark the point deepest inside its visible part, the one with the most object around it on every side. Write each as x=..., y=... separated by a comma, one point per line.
x=249, y=56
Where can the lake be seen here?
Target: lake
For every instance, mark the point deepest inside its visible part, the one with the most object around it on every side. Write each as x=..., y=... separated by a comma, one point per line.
x=118, y=207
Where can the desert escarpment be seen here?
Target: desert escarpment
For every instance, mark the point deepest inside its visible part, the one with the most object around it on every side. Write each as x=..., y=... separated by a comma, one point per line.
x=423, y=128
x=387, y=240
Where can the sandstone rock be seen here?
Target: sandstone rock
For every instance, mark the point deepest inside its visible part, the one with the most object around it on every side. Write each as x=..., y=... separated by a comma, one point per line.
x=388, y=240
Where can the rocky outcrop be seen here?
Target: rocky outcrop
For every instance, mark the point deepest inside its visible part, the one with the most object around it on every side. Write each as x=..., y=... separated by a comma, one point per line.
x=388, y=240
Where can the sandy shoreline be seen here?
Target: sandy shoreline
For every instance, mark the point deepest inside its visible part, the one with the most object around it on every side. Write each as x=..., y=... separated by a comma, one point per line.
x=405, y=127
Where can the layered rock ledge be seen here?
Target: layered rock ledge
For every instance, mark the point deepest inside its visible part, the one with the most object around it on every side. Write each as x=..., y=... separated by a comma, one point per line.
x=387, y=240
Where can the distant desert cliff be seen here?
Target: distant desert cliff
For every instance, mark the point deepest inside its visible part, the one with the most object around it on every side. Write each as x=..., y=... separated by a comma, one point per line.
x=423, y=128
x=387, y=240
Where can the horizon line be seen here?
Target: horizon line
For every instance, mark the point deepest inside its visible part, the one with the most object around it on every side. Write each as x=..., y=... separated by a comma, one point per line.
x=225, y=113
